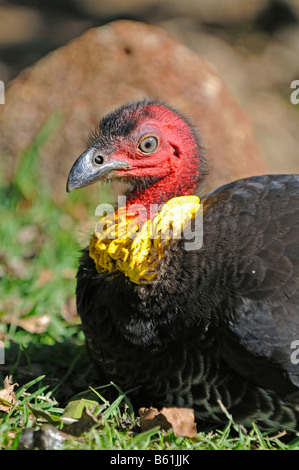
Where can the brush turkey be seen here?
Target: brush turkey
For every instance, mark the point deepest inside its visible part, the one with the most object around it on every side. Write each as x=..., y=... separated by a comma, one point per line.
x=190, y=325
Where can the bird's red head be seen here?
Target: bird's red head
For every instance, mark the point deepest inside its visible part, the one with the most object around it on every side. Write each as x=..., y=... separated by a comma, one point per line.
x=149, y=144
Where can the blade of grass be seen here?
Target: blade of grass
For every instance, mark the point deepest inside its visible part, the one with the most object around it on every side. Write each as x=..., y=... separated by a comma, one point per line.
x=25, y=387
x=28, y=161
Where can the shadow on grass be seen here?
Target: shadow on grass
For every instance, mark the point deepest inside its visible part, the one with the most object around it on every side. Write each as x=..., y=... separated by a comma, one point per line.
x=66, y=367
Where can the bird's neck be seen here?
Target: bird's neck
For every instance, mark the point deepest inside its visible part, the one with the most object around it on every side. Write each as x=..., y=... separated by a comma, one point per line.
x=126, y=243
x=151, y=197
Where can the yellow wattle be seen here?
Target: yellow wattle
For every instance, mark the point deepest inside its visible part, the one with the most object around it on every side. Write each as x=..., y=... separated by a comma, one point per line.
x=122, y=246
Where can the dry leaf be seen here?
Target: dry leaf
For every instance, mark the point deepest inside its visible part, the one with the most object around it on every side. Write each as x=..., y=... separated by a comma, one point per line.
x=7, y=394
x=151, y=417
x=181, y=420
x=15, y=267
x=28, y=234
x=34, y=324
x=69, y=311
x=44, y=276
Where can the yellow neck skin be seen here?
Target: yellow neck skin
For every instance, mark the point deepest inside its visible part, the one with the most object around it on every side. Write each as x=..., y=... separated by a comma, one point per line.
x=123, y=247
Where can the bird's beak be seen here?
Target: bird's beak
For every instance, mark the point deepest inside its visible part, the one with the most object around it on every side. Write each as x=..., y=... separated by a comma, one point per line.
x=91, y=167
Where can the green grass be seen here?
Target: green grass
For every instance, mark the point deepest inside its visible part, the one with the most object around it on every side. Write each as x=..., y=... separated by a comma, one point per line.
x=38, y=260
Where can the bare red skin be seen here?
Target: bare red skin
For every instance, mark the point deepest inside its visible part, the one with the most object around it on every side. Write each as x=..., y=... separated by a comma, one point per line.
x=174, y=162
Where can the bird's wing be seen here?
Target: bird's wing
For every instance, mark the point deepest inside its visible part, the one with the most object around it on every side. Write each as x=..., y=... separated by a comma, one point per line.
x=260, y=328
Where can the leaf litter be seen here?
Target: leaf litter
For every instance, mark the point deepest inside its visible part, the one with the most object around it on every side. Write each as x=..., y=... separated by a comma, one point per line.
x=81, y=414
x=181, y=420
x=7, y=394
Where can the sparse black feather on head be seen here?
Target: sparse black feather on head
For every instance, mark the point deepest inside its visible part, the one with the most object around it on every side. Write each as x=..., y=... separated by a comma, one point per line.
x=120, y=122
x=123, y=120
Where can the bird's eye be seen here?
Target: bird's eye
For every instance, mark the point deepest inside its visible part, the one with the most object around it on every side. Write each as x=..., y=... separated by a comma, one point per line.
x=148, y=144
x=98, y=159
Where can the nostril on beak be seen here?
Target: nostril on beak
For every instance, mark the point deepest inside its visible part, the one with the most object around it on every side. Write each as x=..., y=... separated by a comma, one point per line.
x=98, y=159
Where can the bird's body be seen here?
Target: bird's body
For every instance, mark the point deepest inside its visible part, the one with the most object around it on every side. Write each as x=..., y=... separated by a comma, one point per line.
x=216, y=324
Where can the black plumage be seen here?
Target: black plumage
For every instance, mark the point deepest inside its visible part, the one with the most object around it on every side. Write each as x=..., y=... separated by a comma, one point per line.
x=218, y=323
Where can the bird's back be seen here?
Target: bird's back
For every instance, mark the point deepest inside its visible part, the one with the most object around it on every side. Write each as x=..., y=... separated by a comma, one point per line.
x=261, y=328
